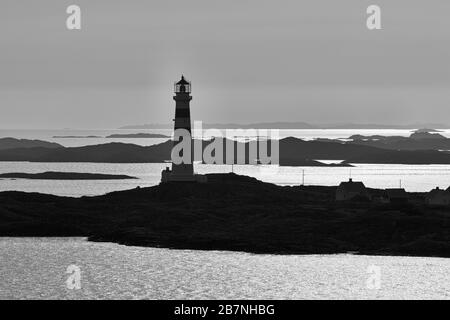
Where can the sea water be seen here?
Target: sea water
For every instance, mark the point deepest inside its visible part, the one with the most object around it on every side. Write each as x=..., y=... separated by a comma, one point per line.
x=36, y=268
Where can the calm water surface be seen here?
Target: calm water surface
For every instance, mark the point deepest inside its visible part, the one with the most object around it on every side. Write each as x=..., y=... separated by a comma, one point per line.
x=414, y=178
x=35, y=268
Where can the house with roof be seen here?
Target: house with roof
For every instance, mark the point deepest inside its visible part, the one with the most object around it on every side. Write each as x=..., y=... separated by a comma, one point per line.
x=351, y=190
x=438, y=197
x=397, y=196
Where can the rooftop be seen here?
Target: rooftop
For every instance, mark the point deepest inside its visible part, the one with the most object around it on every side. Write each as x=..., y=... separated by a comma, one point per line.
x=183, y=81
x=352, y=186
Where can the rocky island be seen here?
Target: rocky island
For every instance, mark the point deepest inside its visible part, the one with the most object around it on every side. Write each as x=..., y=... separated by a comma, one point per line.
x=13, y=143
x=292, y=152
x=76, y=137
x=51, y=175
x=137, y=135
x=237, y=213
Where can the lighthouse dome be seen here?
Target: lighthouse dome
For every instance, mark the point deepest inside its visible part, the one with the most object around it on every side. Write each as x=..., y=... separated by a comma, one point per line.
x=183, y=81
x=182, y=86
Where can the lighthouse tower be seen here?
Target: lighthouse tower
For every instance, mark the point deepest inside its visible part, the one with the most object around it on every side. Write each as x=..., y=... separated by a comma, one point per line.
x=182, y=121
x=183, y=172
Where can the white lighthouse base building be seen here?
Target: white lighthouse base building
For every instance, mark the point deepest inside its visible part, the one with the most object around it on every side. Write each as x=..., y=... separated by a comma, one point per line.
x=167, y=175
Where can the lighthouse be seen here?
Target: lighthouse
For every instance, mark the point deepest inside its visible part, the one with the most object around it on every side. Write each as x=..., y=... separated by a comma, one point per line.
x=182, y=121
x=182, y=172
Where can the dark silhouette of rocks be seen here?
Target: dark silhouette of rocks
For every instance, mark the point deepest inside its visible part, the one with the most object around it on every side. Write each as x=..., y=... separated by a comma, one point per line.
x=419, y=140
x=425, y=130
x=290, y=162
x=427, y=136
x=12, y=143
x=403, y=157
x=147, y=126
x=103, y=153
x=138, y=135
x=293, y=152
x=355, y=152
x=52, y=175
x=119, y=135
x=75, y=137
x=294, y=148
x=237, y=213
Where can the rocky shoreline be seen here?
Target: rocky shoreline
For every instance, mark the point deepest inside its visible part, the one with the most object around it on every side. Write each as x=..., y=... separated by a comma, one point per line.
x=52, y=175
x=235, y=213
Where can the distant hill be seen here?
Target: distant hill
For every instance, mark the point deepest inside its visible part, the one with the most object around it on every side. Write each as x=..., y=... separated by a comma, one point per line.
x=51, y=175
x=384, y=126
x=75, y=137
x=103, y=153
x=12, y=143
x=426, y=131
x=138, y=135
x=130, y=153
x=296, y=125
x=262, y=125
x=419, y=140
x=427, y=135
x=293, y=152
x=147, y=126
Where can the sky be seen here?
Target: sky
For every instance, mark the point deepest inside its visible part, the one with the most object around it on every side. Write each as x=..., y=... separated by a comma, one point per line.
x=249, y=61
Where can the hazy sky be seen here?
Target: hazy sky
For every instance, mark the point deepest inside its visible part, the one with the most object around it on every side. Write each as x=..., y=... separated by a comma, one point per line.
x=248, y=60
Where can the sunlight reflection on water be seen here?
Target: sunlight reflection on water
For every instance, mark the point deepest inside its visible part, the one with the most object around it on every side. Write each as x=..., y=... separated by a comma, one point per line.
x=34, y=268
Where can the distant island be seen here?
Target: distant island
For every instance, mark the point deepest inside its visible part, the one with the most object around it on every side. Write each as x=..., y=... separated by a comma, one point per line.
x=13, y=143
x=296, y=125
x=119, y=135
x=427, y=131
x=422, y=139
x=292, y=152
x=235, y=213
x=75, y=137
x=51, y=175
x=138, y=135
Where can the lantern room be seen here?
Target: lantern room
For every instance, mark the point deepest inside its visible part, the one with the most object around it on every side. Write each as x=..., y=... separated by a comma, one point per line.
x=182, y=86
